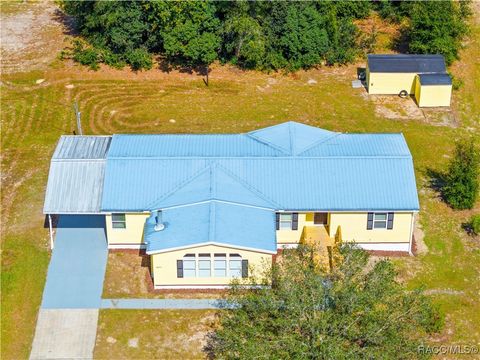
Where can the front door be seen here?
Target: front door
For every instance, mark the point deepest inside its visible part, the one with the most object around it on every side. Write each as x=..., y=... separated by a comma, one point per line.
x=320, y=218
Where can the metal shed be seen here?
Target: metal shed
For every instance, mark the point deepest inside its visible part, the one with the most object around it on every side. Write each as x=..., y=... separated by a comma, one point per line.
x=394, y=74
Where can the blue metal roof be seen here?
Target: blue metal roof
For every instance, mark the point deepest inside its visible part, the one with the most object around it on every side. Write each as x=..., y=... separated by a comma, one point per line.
x=212, y=222
x=405, y=63
x=435, y=79
x=293, y=167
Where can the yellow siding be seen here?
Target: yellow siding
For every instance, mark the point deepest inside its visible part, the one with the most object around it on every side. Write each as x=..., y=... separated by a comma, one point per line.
x=354, y=228
x=131, y=235
x=435, y=95
x=418, y=90
x=285, y=237
x=164, y=266
x=390, y=83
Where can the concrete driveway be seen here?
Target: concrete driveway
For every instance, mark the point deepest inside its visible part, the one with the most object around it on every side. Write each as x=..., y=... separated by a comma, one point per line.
x=67, y=321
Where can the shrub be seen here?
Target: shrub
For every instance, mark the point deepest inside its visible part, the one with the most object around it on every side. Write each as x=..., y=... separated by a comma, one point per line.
x=139, y=59
x=457, y=83
x=87, y=57
x=462, y=179
x=475, y=224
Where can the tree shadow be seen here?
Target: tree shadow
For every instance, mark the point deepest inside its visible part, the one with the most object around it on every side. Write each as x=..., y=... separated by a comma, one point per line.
x=400, y=43
x=436, y=181
x=68, y=22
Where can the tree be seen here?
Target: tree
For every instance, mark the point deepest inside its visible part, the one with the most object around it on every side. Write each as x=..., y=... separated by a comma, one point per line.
x=437, y=28
x=349, y=313
x=462, y=178
x=190, y=32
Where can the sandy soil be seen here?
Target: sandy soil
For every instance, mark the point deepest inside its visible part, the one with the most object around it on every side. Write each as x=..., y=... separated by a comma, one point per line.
x=31, y=39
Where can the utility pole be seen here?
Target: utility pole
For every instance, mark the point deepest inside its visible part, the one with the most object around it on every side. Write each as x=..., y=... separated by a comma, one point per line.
x=79, y=120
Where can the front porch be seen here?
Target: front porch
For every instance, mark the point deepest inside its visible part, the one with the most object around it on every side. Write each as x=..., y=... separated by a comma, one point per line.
x=318, y=238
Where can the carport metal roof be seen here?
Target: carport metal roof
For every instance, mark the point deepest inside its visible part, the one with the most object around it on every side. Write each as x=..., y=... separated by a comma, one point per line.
x=77, y=171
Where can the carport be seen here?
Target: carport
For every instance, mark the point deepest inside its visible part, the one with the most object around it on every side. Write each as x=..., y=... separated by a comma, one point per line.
x=77, y=267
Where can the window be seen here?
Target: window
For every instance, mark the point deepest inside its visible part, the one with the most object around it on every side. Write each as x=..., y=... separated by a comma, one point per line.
x=220, y=265
x=285, y=221
x=118, y=221
x=235, y=265
x=189, y=266
x=380, y=220
x=204, y=265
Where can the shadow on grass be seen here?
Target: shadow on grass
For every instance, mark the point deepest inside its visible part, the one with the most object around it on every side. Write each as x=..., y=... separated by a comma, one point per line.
x=437, y=181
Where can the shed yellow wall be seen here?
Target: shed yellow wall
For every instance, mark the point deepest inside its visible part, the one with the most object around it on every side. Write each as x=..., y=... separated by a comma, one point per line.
x=354, y=228
x=131, y=235
x=164, y=265
x=435, y=95
x=390, y=83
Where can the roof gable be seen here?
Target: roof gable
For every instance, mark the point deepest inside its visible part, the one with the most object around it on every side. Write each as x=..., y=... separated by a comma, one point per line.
x=212, y=183
x=291, y=137
x=212, y=223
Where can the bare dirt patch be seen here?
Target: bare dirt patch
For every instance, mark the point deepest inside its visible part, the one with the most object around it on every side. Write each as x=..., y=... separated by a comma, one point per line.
x=31, y=38
x=128, y=276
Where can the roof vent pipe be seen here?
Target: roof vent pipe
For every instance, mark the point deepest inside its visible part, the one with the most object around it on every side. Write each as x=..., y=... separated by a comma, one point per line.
x=159, y=226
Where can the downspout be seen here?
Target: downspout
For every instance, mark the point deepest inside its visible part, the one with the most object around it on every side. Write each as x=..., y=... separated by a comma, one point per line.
x=51, y=230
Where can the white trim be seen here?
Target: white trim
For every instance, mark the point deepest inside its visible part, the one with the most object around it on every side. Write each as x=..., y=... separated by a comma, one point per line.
x=191, y=246
x=385, y=246
x=411, y=235
x=287, y=246
x=159, y=287
x=216, y=200
x=127, y=246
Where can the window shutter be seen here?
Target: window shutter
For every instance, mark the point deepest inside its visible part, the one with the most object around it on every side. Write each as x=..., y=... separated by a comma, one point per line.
x=370, y=221
x=244, y=268
x=295, y=221
x=277, y=220
x=179, y=268
x=390, y=221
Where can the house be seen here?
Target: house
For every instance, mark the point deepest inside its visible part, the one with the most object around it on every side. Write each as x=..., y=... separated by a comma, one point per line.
x=207, y=208
x=424, y=76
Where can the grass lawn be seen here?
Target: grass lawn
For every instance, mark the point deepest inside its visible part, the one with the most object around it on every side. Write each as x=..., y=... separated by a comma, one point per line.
x=34, y=115
x=152, y=334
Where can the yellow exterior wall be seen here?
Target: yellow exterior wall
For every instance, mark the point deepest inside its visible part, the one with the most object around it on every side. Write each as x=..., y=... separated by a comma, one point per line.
x=131, y=235
x=354, y=228
x=164, y=265
x=285, y=237
x=418, y=90
x=435, y=95
x=390, y=83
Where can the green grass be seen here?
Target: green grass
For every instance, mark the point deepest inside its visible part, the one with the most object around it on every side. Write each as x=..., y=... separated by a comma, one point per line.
x=161, y=334
x=34, y=116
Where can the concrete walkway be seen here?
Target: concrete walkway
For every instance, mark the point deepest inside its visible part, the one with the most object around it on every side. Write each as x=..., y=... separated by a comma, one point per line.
x=190, y=304
x=67, y=321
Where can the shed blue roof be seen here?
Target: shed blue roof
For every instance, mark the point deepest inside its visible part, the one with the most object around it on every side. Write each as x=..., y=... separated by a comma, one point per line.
x=212, y=222
x=289, y=166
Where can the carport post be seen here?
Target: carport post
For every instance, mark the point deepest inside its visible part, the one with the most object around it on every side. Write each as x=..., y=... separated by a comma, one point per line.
x=51, y=230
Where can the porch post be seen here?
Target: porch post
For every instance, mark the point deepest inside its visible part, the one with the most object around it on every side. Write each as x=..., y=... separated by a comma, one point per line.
x=51, y=230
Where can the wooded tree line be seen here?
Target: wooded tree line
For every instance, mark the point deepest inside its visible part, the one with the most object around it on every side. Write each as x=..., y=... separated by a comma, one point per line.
x=263, y=35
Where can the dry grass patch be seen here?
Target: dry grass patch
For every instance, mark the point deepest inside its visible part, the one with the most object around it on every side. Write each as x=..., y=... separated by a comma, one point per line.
x=153, y=334
x=128, y=276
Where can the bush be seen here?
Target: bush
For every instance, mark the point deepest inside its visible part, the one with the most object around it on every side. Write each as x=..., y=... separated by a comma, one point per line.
x=89, y=57
x=462, y=179
x=457, y=83
x=139, y=59
x=475, y=224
